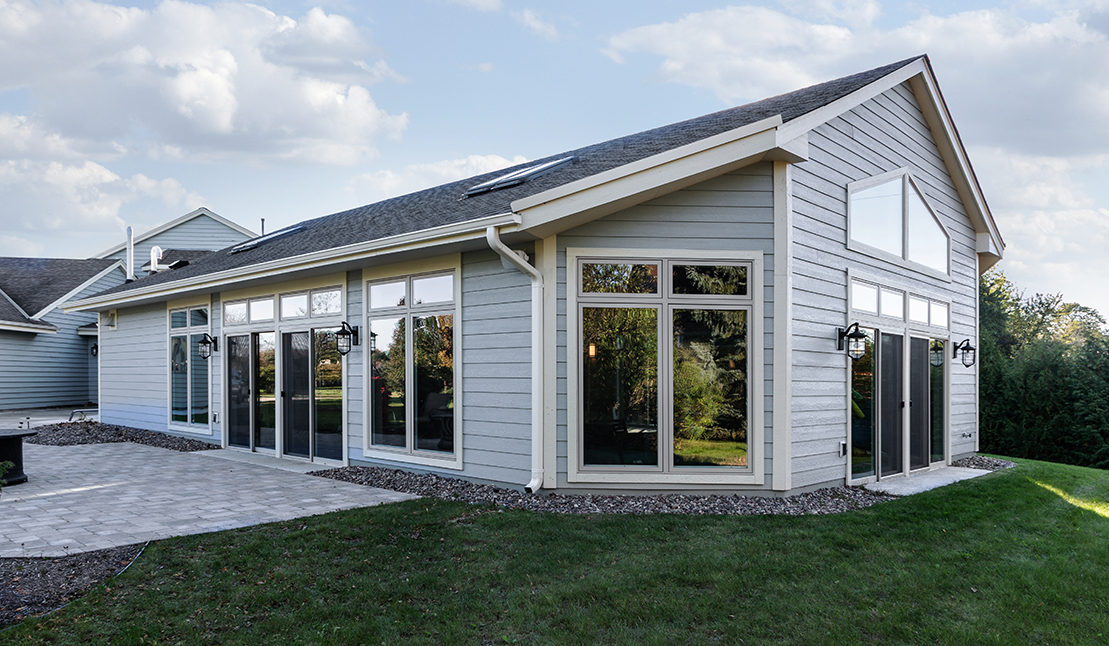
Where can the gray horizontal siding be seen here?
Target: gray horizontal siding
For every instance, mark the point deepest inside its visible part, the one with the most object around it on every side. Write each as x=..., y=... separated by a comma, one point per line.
x=883, y=134
x=201, y=232
x=732, y=212
x=496, y=370
x=43, y=370
x=133, y=369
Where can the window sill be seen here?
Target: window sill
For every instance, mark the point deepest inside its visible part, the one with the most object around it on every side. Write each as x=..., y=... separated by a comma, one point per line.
x=446, y=462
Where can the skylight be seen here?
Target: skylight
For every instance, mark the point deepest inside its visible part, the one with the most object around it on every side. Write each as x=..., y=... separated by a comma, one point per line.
x=519, y=177
x=250, y=244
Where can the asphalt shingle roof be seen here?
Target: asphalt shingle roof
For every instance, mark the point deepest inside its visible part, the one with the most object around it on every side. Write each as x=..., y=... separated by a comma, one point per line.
x=446, y=204
x=9, y=313
x=34, y=283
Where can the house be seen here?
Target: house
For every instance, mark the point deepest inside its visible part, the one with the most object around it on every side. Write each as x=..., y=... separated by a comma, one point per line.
x=48, y=357
x=667, y=311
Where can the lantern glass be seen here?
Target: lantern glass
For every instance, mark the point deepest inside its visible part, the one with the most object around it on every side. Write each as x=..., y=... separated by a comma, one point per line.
x=205, y=347
x=856, y=346
x=342, y=341
x=968, y=356
x=935, y=355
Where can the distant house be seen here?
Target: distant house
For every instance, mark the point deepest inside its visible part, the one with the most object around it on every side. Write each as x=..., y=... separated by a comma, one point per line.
x=47, y=355
x=668, y=311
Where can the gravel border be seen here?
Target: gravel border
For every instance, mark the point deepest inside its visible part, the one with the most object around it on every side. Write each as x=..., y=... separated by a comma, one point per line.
x=88, y=432
x=984, y=462
x=822, y=501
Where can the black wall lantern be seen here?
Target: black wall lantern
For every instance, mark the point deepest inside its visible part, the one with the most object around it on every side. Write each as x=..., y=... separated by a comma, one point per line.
x=856, y=341
x=935, y=354
x=346, y=338
x=207, y=345
x=95, y=349
x=967, y=351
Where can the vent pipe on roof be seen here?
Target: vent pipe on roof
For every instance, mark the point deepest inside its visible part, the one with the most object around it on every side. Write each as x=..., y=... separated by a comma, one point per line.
x=130, y=254
x=155, y=256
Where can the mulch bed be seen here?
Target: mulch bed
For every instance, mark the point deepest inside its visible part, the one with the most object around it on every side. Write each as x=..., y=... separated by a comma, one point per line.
x=32, y=586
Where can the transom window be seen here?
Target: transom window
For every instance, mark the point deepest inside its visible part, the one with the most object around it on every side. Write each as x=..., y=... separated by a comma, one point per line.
x=411, y=339
x=325, y=302
x=890, y=214
x=188, y=378
x=664, y=365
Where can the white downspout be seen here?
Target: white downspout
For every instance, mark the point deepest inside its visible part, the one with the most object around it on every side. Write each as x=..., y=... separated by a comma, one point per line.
x=492, y=235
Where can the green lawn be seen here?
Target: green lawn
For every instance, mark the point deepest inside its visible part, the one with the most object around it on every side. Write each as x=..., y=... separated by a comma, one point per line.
x=1016, y=557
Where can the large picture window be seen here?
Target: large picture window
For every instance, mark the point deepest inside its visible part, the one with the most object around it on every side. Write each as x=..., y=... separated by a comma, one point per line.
x=188, y=379
x=412, y=375
x=889, y=213
x=664, y=365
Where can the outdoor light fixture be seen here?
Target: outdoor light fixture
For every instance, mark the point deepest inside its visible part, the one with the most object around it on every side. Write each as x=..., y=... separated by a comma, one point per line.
x=207, y=345
x=95, y=349
x=346, y=338
x=592, y=351
x=856, y=341
x=935, y=354
x=968, y=353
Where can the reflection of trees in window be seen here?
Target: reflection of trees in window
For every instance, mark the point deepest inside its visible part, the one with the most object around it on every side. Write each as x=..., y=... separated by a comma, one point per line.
x=623, y=364
x=612, y=278
x=725, y=280
x=710, y=375
x=434, y=349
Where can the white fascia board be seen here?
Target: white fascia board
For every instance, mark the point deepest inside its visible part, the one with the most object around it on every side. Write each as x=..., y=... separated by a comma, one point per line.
x=922, y=80
x=569, y=205
x=12, y=326
x=938, y=117
x=450, y=233
x=19, y=309
x=173, y=223
x=86, y=331
x=77, y=290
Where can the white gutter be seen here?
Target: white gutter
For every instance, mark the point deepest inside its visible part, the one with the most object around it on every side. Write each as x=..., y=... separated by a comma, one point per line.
x=492, y=235
x=446, y=234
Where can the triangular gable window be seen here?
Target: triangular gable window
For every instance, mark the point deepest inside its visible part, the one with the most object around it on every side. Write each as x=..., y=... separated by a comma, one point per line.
x=890, y=214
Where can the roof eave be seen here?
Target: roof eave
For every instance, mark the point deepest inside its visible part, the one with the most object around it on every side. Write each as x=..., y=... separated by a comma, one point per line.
x=458, y=232
x=13, y=326
x=589, y=198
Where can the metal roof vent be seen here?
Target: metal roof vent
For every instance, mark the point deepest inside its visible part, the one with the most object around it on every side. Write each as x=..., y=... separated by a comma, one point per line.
x=250, y=244
x=519, y=177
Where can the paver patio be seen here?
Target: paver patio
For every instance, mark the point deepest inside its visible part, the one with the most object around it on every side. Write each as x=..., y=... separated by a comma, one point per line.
x=95, y=496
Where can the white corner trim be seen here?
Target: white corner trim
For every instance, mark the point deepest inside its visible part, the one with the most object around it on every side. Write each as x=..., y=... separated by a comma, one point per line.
x=77, y=290
x=782, y=476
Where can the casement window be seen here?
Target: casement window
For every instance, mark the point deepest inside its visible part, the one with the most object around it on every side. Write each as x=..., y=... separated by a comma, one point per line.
x=665, y=368
x=188, y=371
x=889, y=216
x=412, y=335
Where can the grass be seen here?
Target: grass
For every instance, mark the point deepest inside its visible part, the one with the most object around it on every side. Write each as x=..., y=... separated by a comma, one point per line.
x=1018, y=556
x=711, y=453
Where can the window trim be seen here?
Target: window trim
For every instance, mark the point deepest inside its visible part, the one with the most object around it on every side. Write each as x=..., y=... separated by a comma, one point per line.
x=908, y=182
x=907, y=329
x=754, y=300
x=407, y=271
x=188, y=331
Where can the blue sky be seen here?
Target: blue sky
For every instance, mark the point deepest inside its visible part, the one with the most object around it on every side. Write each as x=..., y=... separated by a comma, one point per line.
x=136, y=113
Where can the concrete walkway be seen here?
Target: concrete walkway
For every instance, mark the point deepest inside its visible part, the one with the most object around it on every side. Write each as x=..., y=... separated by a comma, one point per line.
x=42, y=416
x=95, y=496
x=925, y=480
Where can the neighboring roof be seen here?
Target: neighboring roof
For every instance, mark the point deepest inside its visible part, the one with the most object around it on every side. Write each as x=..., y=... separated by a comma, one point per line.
x=170, y=256
x=12, y=317
x=36, y=284
x=202, y=211
x=616, y=172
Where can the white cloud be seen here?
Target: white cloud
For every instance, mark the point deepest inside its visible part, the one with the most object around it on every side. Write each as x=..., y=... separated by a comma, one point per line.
x=220, y=82
x=385, y=184
x=480, y=5
x=855, y=13
x=532, y=21
x=78, y=198
x=997, y=67
x=19, y=247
